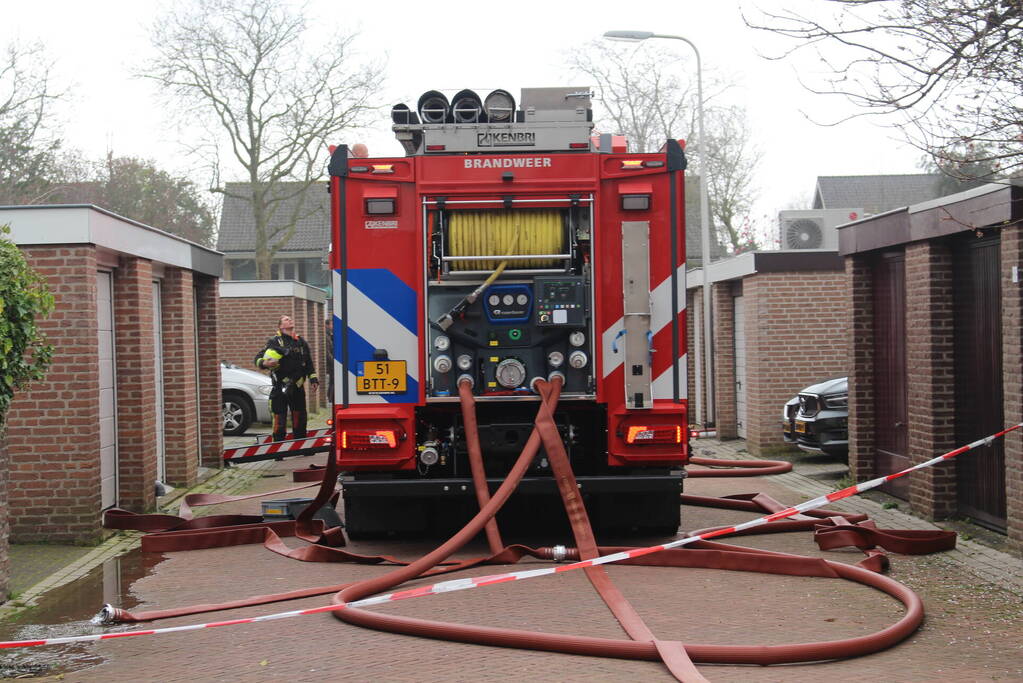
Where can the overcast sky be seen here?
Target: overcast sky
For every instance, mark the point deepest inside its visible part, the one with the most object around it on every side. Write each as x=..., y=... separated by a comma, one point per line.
x=452, y=45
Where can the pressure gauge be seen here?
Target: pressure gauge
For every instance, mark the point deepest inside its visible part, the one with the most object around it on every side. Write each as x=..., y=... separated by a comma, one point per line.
x=464, y=361
x=493, y=300
x=442, y=343
x=508, y=300
x=555, y=359
x=577, y=339
x=522, y=299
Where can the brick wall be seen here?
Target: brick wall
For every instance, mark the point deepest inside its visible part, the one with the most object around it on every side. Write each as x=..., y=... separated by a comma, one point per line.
x=796, y=326
x=5, y=563
x=136, y=390
x=861, y=371
x=931, y=390
x=211, y=417
x=53, y=426
x=247, y=322
x=691, y=370
x=181, y=448
x=1012, y=381
x=724, y=360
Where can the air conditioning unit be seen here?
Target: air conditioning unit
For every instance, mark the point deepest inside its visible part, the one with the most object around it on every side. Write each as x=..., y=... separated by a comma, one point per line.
x=813, y=228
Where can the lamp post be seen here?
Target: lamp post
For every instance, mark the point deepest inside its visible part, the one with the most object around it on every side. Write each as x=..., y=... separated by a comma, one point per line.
x=708, y=365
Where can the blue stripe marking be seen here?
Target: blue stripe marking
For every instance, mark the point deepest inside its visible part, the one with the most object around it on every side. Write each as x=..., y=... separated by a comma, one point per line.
x=388, y=291
x=360, y=350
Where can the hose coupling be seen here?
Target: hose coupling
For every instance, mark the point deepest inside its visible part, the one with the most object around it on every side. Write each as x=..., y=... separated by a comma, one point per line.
x=107, y=616
x=466, y=378
x=532, y=384
x=556, y=374
x=559, y=553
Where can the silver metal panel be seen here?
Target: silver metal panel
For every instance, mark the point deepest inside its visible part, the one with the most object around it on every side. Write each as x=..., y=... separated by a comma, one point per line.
x=636, y=318
x=557, y=102
x=495, y=138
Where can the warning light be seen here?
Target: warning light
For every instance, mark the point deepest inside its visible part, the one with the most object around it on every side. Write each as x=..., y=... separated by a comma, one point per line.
x=383, y=168
x=364, y=439
x=655, y=434
x=632, y=164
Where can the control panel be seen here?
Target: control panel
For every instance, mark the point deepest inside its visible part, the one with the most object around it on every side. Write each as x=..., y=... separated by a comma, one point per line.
x=513, y=333
x=561, y=301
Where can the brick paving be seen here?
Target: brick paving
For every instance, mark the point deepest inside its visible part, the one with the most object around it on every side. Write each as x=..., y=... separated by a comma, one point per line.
x=973, y=629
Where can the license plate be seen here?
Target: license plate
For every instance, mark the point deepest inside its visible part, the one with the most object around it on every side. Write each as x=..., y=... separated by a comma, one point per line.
x=800, y=427
x=381, y=377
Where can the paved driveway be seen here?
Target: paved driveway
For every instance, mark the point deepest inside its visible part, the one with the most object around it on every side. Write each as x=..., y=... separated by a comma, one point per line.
x=973, y=630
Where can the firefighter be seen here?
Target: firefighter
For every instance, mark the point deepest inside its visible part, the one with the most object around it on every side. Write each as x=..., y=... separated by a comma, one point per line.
x=290, y=362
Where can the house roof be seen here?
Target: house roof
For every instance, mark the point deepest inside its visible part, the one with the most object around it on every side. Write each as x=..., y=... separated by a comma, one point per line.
x=312, y=233
x=875, y=193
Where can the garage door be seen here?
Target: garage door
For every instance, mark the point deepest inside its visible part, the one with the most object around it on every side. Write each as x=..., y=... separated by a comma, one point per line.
x=161, y=467
x=738, y=311
x=107, y=391
x=978, y=379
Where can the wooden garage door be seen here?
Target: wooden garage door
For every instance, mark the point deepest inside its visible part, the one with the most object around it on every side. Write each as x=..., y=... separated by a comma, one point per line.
x=978, y=377
x=890, y=406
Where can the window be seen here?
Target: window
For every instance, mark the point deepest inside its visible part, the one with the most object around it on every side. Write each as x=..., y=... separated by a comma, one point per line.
x=241, y=269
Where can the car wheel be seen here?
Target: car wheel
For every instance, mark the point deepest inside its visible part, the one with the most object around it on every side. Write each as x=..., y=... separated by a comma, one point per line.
x=238, y=414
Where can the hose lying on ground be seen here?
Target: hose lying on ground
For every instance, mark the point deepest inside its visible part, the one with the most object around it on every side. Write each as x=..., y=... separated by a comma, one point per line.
x=643, y=644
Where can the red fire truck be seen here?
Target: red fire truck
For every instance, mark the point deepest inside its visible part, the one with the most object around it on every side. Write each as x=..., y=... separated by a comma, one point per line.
x=509, y=245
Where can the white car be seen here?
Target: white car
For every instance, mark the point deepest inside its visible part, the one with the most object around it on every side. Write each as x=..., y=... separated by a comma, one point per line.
x=246, y=395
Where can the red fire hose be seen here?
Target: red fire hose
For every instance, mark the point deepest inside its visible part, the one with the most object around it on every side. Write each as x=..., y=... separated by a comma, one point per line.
x=644, y=644
x=178, y=534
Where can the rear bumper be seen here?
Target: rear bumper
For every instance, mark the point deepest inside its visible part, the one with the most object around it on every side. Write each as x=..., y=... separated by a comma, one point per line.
x=529, y=486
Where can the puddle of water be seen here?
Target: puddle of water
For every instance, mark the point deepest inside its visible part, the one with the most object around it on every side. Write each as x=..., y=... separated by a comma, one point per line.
x=67, y=611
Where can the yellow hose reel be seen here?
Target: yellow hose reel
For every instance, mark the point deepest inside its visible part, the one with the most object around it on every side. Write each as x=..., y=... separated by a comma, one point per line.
x=498, y=233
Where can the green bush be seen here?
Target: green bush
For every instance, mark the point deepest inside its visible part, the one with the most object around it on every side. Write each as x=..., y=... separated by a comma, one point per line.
x=24, y=298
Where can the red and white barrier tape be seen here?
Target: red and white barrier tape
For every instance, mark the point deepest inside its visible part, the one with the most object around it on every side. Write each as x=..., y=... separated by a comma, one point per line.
x=311, y=434
x=276, y=447
x=465, y=584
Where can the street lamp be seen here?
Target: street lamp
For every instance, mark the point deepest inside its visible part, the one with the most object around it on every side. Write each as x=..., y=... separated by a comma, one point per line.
x=708, y=365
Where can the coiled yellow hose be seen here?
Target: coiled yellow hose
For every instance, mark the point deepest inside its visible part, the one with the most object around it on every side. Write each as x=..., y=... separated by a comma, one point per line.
x=494, y=232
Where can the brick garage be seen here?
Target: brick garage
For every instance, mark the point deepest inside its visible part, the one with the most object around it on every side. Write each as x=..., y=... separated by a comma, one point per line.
x=935, y=309
x=249, y=310
x=794, y=322
x=86, y=437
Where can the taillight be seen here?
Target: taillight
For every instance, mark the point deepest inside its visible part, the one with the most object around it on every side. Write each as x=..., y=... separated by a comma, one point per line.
x=654, y=434
x=368, y=439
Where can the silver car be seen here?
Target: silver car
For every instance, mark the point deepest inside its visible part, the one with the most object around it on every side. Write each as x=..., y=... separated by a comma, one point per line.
x=246, y=395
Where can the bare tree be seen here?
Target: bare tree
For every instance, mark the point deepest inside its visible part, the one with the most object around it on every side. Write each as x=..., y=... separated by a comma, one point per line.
x=640, y=91
x=645, y=95
x=275, y=105
x=29, y=147
x=948, y=72
x=731, y=160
